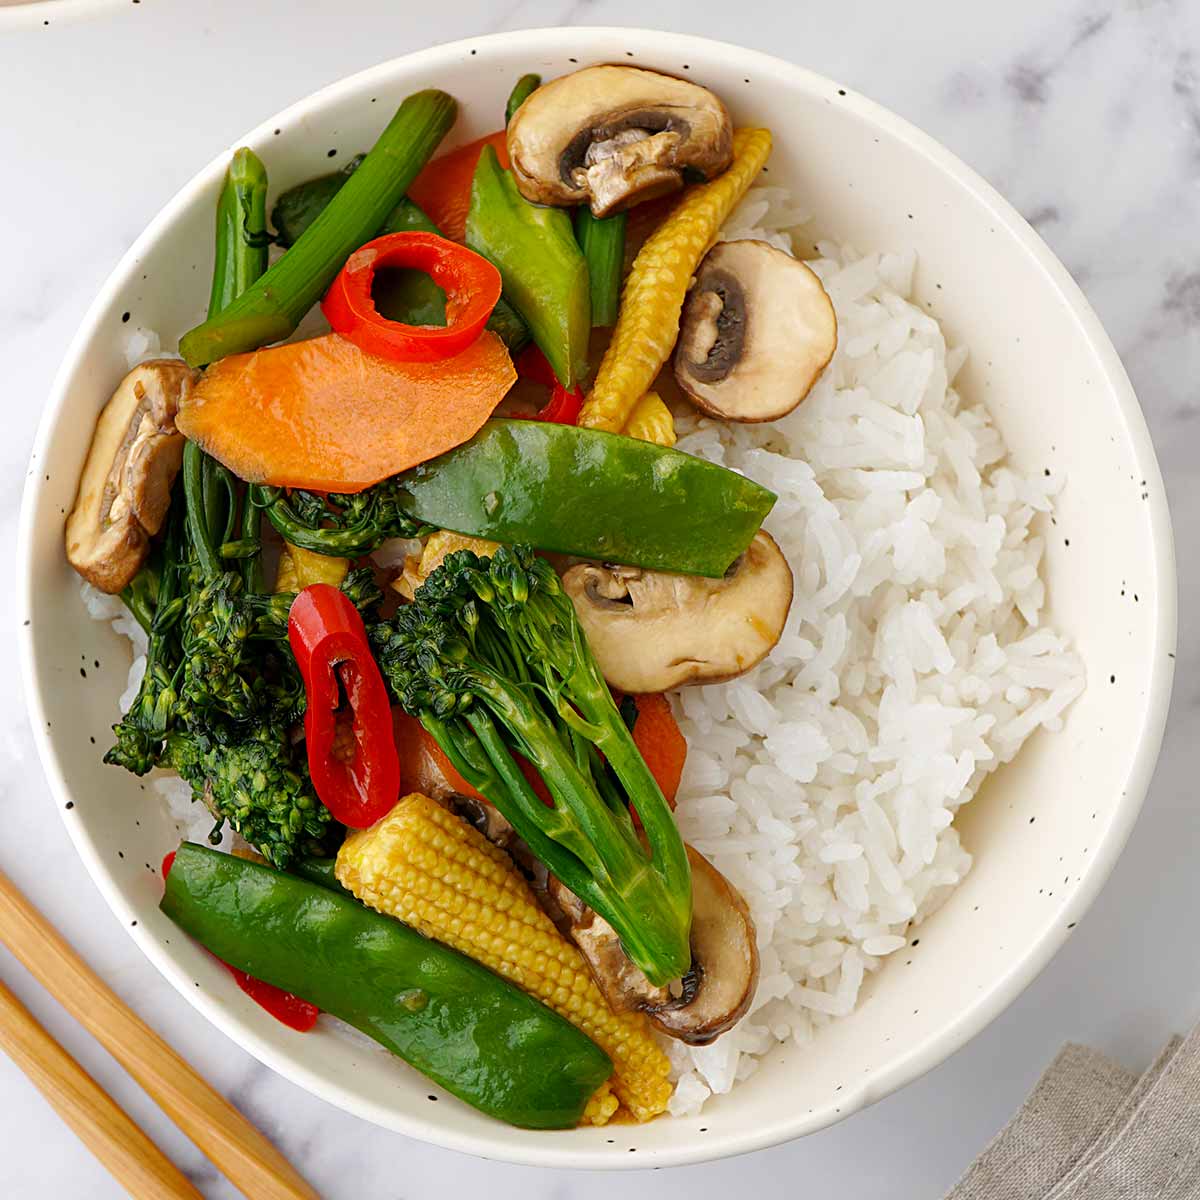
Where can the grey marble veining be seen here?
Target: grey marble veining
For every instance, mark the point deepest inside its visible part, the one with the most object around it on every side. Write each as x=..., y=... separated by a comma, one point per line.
x=1085, y=114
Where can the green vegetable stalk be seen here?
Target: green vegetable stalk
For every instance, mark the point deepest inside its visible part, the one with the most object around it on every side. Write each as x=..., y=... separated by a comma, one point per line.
x=602, y=240
x=271, y=309
x=491, y=658
x=544, y=272
x=482, y=1039
x=221, y=691
x=242, y=238
x=412, y=297
x=574, y=491
x=522, y=90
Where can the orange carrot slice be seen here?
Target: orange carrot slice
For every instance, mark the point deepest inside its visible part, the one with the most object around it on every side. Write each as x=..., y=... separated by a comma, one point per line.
x=661, y=743
x=324, y=415
x=443, y=188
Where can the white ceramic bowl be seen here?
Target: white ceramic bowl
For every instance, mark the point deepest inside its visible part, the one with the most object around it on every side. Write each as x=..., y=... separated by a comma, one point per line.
x=1057, y=390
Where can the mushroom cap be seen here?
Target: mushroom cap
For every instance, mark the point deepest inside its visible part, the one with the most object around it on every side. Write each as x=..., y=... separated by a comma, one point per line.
x=125, y=488
x=614, y=136
x=720, y=987
x=651, y=631
x=758, y=329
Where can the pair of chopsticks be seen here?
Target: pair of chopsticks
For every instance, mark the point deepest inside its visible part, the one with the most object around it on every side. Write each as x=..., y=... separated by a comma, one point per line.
x=235, y=1147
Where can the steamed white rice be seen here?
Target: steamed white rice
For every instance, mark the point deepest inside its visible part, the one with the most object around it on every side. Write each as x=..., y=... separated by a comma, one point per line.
x=825, y=782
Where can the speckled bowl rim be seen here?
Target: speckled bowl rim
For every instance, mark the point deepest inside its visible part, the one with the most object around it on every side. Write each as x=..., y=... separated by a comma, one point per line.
x=972, y=1020
x=54, y=12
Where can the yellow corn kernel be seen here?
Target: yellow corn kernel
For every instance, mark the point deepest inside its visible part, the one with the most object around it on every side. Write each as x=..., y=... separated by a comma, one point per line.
x=651, y=304
x=427, y=868
x=298, y=568
x=433, y=554
x=651, y=421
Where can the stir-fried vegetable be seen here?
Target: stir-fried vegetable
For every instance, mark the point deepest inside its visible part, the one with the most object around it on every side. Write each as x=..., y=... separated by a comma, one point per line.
x=443, y=188
x=522, y=90
x=482, y=1039
x=273, y=307
x=490, y=656
x=323, y=414
x=242, y=239
x=293, y=1012
x=556, y=487
x=652, y=302
x=433, y=871
x=299, y=567
x=651, y=421
x=347, y=719
x=591, y=494
x=545, y=274
x=471, y=285
x=219, y=697
x=298, y=207
x=602, y=240
x=409, y=296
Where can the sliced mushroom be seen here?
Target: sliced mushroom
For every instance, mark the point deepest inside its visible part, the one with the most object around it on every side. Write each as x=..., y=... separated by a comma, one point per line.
x=717, y=990
x=485, y=817
x=651, y=630
x=757, y=331
x=614, y=136
x=125, y=488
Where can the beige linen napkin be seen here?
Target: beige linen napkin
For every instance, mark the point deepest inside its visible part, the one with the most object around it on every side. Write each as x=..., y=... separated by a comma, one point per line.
x=1091, y=1130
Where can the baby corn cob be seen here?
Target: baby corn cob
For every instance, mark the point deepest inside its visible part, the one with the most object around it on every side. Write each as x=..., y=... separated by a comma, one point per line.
x=427, y=868
x=433, y=553
x=299, y=567
x=648, y=321
x=651, y=421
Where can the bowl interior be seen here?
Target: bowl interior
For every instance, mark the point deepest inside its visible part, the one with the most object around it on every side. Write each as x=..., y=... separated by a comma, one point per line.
x=1046, y=829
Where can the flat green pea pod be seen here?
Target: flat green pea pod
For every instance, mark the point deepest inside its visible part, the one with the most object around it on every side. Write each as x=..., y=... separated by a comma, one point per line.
x=479, y=1037
x=545, y=274
x=592, y=494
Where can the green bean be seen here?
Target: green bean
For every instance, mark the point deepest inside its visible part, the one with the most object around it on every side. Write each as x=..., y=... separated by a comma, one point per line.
x=522, y=90
x=602, y=240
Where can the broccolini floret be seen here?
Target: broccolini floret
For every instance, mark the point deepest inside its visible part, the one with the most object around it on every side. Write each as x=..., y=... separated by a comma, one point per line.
x=490, y=657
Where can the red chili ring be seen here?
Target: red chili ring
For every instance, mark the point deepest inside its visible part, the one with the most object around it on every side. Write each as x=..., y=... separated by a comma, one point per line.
x=471, y=283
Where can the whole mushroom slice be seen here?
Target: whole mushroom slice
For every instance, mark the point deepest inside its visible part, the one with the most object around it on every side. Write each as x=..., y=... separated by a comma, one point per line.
x=651, y=630
x=757, y=331
x=614, y=136
x=125, y=488
x=718, y=989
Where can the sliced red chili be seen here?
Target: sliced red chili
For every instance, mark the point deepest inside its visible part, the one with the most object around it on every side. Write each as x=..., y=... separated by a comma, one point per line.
x=287, y=1007
x=348, y=722
x=563, y=407
x=471, y=284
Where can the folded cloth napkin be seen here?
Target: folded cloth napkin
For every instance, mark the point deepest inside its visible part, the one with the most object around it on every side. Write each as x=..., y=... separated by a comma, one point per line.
x=1091, y=1130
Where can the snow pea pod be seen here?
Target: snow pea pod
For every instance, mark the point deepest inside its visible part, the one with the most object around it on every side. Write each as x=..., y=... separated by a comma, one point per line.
x=592, y=494
x=545, y=274
x=480, y=1038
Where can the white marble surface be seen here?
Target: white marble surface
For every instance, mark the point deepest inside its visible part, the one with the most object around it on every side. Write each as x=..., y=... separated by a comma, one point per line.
x=1085, y=114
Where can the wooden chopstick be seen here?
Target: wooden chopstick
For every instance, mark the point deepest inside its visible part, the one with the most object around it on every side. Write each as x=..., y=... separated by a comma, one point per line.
x=250, y=1162
x=136, y=1163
